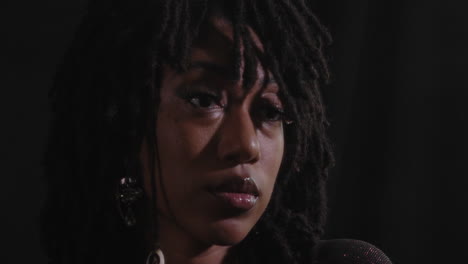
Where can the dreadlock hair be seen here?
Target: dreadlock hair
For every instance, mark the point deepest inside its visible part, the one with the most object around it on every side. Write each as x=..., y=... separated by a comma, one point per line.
x=105, y=99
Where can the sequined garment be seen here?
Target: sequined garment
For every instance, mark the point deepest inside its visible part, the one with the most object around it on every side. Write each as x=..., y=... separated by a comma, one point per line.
x=348, y=251
x=336, y=251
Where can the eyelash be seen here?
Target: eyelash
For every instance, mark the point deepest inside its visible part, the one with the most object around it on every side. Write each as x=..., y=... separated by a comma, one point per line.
x=266, y=107
x=202, y=95
x=277, y=111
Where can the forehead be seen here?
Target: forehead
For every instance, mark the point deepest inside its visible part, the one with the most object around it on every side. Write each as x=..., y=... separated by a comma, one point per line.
x=220, y=30
x=215, y=45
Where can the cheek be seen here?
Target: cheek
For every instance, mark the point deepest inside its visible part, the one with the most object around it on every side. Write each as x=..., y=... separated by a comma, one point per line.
x=179, y=141
x=272, y=149
x=181, y=146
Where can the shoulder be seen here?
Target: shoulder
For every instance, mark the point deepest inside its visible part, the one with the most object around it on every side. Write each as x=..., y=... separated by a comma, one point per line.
x=344, y=251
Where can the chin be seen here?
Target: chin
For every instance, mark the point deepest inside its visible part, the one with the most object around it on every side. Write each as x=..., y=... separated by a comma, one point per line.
x=229, y=232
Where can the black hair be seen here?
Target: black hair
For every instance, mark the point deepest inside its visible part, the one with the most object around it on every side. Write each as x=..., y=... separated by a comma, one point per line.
x=106, y=93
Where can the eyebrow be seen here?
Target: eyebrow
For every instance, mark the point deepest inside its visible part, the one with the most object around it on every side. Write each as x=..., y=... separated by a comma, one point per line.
x=221, y=69
x=210, y=66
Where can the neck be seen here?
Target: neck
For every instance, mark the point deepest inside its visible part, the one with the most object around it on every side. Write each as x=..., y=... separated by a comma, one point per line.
x=179, y=247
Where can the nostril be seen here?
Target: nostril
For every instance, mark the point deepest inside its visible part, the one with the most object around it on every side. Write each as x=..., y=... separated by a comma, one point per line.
x=238, y=151
x=240, y=155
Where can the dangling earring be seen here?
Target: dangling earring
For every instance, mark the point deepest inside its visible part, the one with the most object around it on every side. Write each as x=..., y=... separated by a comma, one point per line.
x=155, y=257
x=127, y=194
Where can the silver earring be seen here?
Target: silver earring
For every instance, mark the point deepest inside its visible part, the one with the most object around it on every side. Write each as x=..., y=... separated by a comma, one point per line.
x=155, y=257
x=127, y=194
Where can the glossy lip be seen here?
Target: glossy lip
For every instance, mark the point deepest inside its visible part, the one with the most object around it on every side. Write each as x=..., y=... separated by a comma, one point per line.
x=239, y=201
x=237, y=192
x=237, y=185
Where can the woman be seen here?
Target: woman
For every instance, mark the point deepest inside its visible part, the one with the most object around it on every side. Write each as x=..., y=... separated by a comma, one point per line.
x=189, y=132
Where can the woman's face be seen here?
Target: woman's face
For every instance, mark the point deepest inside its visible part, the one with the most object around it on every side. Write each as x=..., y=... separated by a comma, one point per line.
x=220, y=145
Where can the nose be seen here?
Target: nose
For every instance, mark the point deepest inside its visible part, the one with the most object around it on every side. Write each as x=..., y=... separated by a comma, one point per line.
x=238, y=143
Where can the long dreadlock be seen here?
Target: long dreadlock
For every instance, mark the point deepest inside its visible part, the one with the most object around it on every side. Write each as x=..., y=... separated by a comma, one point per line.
x=107, y=90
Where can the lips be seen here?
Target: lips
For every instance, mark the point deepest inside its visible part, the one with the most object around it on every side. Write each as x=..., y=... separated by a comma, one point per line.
x=237, y=193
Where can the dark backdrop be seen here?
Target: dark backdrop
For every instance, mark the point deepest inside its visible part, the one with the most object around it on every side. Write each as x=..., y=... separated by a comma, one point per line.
x=398, y=111
x=396, y=103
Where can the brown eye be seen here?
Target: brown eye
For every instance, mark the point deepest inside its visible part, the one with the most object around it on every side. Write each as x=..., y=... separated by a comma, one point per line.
x=203, y=100
x=270, y=113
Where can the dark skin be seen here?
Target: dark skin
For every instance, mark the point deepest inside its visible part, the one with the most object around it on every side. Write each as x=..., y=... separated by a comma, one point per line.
x=210, y=128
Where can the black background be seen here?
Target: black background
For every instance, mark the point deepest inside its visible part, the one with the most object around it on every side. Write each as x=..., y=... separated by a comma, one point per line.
x=397, y=104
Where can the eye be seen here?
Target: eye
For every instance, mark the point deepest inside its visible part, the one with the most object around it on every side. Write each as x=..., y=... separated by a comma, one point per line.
x=269, y=112
x=203, y=100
